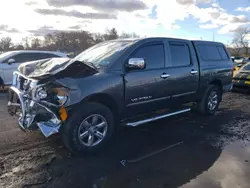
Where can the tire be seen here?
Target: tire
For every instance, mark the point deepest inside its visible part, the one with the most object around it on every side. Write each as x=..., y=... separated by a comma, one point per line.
x=204, y=105
x=80, y=123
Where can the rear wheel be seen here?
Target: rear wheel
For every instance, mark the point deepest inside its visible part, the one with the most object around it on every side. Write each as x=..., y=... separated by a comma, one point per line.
x=89, y=129
x=210, y=101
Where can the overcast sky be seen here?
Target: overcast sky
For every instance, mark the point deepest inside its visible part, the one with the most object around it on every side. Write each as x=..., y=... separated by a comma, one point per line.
x=191, y=19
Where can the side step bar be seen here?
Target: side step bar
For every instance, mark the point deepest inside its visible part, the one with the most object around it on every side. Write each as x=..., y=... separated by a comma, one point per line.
x=134, y=124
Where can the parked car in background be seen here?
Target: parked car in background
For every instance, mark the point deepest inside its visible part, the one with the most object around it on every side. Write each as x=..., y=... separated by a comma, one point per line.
x=240, y=62
x=238, y=59
x=237, y=66
x=120, y=82
x=241, y=78
x=246, y=60
x=9, y=61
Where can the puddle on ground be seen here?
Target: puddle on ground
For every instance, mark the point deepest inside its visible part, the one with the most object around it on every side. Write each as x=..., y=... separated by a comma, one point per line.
x=221, y=160
x=171, y=168
x=186, y=166
x=231, y=170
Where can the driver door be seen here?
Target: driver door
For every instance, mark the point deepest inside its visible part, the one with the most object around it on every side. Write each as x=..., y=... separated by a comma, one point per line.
x=144, y=89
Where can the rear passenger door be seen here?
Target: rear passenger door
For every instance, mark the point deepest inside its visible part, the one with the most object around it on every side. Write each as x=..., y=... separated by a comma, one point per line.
x=183, y=70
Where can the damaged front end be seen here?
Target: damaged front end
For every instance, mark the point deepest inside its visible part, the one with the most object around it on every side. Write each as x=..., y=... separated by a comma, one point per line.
x=38, y=95
x=37, y=105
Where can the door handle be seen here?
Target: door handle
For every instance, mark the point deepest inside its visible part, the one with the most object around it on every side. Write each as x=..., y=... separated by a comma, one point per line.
x=164, y=75
x=193, y=72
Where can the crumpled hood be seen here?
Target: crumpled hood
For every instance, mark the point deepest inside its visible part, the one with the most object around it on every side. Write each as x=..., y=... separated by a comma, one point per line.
x=56, y=66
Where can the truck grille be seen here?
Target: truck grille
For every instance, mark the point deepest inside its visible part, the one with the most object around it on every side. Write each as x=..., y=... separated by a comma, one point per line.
x=21, y=82
x=18, y=81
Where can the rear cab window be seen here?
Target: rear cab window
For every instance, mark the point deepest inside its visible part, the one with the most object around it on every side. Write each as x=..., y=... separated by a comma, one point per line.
x=223, y=52
x=212, y=52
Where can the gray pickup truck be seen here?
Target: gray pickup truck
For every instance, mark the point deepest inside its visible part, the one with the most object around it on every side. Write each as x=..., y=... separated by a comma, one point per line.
x=118, y=83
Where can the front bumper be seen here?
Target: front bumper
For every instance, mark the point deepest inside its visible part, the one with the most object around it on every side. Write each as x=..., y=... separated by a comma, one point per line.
x=30, y=110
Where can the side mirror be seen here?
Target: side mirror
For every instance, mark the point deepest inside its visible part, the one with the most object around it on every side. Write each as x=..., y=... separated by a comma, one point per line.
x=10, y=61
x=136, y=64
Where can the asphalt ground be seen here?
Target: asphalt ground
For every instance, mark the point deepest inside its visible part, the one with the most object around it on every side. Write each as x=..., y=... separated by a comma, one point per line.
x=188, y=150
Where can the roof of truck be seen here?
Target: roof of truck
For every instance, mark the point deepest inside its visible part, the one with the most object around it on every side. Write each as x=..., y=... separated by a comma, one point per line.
x=155, y=38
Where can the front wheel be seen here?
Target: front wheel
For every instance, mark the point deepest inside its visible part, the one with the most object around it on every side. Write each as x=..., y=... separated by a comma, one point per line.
x=89, y=129
x=210, y=101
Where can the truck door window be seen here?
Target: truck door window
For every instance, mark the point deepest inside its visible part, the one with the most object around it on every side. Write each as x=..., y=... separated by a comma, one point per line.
x=153, y=55
x=180, y=55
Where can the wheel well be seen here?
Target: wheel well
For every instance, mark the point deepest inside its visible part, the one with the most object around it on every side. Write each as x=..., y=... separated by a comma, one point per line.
x=219, y=84
x=105, y=100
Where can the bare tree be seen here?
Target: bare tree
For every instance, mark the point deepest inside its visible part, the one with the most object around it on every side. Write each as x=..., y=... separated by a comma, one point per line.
x=35, y=43
x=61, y=40
x=25, y=42
x=111, y=34
x=18, y=47
x=6, y=43
x=236, y=47
x=49, y=42
x=129, y=35
x=73, y=41
x=68, y=41
x=98, y=38
x=241, y=40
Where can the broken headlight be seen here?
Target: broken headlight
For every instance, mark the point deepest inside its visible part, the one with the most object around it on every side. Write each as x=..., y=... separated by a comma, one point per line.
x=60, y=95
x=56, y=95
x=41, y=93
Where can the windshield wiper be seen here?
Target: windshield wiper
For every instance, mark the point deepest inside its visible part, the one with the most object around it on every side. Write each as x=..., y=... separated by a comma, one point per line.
x=93, y=65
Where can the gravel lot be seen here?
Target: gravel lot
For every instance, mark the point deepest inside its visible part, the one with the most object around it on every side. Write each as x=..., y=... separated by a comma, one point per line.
x=188, y=150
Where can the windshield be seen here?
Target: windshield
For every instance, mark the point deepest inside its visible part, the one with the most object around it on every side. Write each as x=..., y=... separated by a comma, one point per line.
x=101, y=55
